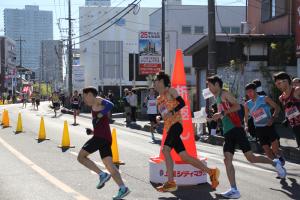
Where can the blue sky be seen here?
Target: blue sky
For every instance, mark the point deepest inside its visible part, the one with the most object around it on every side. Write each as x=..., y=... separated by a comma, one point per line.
x=59, y=8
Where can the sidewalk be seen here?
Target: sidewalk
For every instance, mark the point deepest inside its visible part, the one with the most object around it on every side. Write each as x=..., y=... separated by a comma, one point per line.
x=287, y=141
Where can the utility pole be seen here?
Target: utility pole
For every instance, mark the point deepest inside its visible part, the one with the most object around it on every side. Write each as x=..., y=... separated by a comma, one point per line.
x=70, y=52
x=212, y=68
x=163, y=31
x=20, y=40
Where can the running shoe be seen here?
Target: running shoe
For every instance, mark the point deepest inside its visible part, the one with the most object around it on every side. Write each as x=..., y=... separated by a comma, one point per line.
x=169, y=186
x=214, y=178
x=279, y=168
x=231, y=194
x=103, y=178
x=123, y=192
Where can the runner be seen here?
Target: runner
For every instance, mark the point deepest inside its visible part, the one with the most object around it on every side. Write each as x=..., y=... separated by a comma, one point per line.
x=296, y=82
x=101, y=141
x=259, y=108
x=290, y=99
x=33, y=99
x=234, y=134
x=37, y=100
x=169, y=104
x=24, y=100
x=75, y=101
x=259, y=88
x=55, y=102
x=150, y=104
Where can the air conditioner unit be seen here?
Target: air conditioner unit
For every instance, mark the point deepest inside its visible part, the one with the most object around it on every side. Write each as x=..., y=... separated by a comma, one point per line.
x=245, y=27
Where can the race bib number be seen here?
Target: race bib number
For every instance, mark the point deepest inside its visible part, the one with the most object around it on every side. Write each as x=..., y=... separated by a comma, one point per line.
x=259, y=115
x=163, y=110
x=292, y=112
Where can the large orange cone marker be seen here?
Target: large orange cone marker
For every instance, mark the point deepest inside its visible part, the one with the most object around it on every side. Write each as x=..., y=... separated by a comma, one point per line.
x=65, y=143
x=3, y=116
x=187, y=136
x=115, y=149
x=5, y=119
x=19, y=128
x=157, y=167
x=42, y=131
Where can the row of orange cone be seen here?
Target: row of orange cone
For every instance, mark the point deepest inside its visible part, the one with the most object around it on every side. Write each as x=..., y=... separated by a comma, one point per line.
x=65, y=144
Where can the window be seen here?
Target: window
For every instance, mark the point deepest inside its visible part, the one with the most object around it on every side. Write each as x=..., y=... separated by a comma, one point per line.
x=188, y=70
x=235, y=30
x=186, y=29
x=199, y=29
x=225, y=29
x=272, y=8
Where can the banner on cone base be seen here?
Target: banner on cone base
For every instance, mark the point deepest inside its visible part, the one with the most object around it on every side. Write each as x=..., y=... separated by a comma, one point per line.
x=179, y=83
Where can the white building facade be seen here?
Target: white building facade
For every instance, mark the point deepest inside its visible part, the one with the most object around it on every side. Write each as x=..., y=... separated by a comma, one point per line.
x=52, y=63
x=106, y=57
x=31, y=25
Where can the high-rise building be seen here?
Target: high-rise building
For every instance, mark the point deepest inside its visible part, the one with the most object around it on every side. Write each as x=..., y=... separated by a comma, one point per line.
x=52, y=63
x=30, y=25
x=97, y=2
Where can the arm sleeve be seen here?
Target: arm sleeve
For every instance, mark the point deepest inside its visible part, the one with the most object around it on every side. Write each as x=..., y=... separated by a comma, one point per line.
x=180, y=105
x=107, y=106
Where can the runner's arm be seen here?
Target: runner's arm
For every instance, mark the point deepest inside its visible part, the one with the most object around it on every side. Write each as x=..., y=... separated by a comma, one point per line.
x=246, y=115
x=179, y=99
x=233, y=101
x=274, y=106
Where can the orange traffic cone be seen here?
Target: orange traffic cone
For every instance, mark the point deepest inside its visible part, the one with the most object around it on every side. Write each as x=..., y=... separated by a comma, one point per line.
x=65, y=143
x=2, y=120
x=115, y=150
x=6, y=119
x=42, y=131
x=19, y=128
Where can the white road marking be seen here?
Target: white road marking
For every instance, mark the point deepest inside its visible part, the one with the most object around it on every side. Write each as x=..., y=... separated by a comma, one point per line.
x=43, y=172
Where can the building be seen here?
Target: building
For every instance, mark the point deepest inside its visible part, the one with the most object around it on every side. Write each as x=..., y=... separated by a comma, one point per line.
x=107, y=58
x=183, y=31
x=266, y=46
x=31, y=26
x=52, y=63
x=97, y=2
x=8, y=72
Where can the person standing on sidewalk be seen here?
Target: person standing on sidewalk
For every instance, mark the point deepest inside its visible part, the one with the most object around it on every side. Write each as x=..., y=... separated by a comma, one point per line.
x=127, y=109
x=151, y=105
x=234, y=134
x=133, y=101
x=169, y=104
x=259, y=108
x=101, y=141
x=290, y=99
x=37, y=99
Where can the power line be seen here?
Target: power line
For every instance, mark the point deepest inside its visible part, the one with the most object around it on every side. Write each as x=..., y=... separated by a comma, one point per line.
x=109, y=25
x=96, y=28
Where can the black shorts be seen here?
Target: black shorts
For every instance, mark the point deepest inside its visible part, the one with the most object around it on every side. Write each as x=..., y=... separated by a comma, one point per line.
x=37, y=102
x=56, y=106
x=266, y=135
x=173, y=139
x=96, y=143
x=152, y=117
x=234, y=137
x=75, y=106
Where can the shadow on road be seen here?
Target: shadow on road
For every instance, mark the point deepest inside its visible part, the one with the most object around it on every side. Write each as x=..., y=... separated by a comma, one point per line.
x=191, y=193
x=292, y=191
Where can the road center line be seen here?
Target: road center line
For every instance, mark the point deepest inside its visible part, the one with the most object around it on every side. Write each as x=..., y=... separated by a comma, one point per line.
x=43, y=172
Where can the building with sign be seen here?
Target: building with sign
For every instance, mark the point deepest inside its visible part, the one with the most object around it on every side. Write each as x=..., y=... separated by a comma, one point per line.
x=31, y=26
x=107, y=58
x=97, y=2
x=78, y=72
x=7, y=64
x=51, y=70
x=266, y=46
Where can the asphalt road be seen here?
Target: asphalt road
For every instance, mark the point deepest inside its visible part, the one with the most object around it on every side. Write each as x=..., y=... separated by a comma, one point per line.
x=30, y=170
